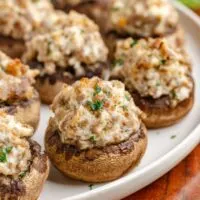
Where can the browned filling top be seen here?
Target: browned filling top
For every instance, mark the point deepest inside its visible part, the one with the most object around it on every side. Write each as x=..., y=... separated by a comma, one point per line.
x=141, y=17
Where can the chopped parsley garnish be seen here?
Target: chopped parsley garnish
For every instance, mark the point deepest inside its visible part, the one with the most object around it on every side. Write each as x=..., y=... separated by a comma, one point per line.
x=92, y=138
x=174, y=95
x=97, y=90
x=22, y=174
x=118, y=62
x=3, y=156
x=125, y=108
x=133, y=43
x=127, y=98
x=91, y=186
x=173, y=136
x=163, y=62
x=8, y=149
x=96, y=105
x=4, y=152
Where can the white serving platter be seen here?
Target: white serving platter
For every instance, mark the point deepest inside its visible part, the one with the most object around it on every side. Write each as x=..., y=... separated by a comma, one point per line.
x=166, y=146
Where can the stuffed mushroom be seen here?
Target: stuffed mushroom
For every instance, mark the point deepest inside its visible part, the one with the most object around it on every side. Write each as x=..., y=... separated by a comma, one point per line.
x=142, y=18
x=23, y=167
x=17, y=95
x=120, y=19
x=66, y=55
x=20, y=19
x=96, y=133
x=158, y=78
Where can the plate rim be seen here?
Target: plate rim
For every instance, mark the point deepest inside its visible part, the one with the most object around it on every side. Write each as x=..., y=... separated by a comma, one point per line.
x=193, y=139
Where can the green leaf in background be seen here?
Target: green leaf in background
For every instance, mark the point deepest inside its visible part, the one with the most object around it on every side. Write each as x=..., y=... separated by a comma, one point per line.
x=194, y=4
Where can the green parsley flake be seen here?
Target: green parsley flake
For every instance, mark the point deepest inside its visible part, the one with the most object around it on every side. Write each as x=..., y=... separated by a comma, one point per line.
x=92, y=138
x=4, y=152
x=118, y=62
x=133, y=43
x=96, y=105
x=8, y=149
x=174, y=95
x=3, y=156
x=127, y=97
x=97, y=90
x=163, y=62
x=91, y=186
x=22, y=174
x=173, y=136
x=125, y=108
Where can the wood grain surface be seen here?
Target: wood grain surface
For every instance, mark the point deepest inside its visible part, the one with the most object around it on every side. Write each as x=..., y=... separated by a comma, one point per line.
x=181, y=183
x=198, y=11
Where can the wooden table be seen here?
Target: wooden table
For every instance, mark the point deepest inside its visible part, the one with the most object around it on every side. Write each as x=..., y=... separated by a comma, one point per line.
x=198, y=11
x=181, y=183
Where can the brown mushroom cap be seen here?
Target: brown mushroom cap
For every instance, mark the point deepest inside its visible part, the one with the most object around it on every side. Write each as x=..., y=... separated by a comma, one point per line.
x=29, y=186
x=159, y=113
x=96, y=164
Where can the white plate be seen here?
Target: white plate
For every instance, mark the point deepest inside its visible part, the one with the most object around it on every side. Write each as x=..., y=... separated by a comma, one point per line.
x=166, y=147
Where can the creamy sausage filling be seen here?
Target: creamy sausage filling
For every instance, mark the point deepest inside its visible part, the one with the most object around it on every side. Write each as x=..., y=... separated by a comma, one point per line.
x=15, y=80
x=142, y=18
x=15, y=154
x=78, y=44
x=19, y=18
x=153, y=68
x=95, y=113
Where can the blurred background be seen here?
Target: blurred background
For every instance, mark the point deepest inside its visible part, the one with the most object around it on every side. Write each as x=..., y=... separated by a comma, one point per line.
x=193, y=4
